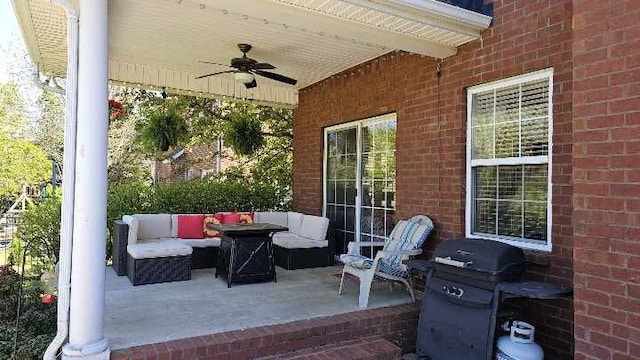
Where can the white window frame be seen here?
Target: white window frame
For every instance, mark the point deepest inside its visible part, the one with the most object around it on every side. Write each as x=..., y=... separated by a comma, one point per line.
x=358, y=125
x=471, y=91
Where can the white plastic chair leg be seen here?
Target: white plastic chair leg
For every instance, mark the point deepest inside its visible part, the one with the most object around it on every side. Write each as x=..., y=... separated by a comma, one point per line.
x=341, y=283
x=365, y=288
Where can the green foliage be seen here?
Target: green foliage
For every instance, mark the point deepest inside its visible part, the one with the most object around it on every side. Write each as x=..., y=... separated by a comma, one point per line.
x=37, y=320
x=196, y=196
x=11, y=111
x=50, y=128
x=21, y=162
x=162, y=130
x=244, y=134
x=40, y=225
x=261, y=137
x=126, y=159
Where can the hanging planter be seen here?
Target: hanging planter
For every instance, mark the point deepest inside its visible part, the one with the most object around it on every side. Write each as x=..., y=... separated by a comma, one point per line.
x=163, y=130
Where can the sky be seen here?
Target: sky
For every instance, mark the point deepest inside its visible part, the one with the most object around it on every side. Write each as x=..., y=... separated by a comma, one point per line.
x=9, y=36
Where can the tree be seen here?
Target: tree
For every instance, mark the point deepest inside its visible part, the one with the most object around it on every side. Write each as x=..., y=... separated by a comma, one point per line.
x=11, y=111
x=260, y=136
x=50, y=128
x=22, y=163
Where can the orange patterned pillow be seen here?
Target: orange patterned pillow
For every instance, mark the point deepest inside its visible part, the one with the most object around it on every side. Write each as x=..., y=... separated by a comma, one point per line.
x=208, y=229
x=246, y=218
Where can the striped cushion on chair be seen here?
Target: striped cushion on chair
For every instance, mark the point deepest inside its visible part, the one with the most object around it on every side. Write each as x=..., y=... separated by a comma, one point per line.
x=392, y=269
x=406, y=235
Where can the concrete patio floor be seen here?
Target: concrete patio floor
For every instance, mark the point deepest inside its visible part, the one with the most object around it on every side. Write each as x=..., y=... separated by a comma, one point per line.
x=161, y=312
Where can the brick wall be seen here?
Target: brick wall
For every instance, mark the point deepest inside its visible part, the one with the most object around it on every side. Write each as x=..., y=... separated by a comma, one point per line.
x=525, y=36
x=606, y=108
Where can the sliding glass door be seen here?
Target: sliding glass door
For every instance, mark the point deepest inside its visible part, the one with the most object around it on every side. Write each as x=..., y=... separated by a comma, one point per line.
x=359, y=180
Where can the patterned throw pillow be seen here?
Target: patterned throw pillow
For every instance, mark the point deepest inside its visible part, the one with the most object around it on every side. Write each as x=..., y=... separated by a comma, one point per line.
x=246, y=218
x=208, y=229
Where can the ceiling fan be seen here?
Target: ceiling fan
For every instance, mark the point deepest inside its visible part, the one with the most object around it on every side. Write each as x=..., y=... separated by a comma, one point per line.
x=246, y=69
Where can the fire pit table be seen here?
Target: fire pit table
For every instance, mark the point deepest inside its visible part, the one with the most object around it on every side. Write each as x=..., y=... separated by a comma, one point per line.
x=246, y=252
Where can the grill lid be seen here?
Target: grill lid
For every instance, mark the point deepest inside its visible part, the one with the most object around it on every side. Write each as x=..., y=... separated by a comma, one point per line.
x=486, y=256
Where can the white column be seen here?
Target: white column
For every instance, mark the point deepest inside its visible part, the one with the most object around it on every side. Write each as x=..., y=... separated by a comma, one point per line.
x=86, y=315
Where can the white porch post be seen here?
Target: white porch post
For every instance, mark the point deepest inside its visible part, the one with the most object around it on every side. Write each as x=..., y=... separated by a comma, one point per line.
x=86, y=316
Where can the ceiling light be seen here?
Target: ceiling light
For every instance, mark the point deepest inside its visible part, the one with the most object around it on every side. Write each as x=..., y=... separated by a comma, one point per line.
x=244, y=77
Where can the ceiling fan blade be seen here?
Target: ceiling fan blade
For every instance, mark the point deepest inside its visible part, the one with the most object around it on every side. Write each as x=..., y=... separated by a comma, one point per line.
x=251, y=85
x=262, y=66
x=213, y=63
x=216, y=73
x=276, y=77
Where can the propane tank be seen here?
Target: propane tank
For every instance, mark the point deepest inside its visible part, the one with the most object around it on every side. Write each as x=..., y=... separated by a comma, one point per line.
x=519, y=345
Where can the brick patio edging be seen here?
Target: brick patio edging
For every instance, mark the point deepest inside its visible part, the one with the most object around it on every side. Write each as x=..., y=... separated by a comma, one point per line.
x=396, y=324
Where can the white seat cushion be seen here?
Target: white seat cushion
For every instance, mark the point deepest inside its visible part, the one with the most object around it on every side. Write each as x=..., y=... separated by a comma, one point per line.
x=157, y=249
x=153, y=226
x=314, y=227
x=199, y=243
x=294, y=222
x=289, y=240
x=275, y=218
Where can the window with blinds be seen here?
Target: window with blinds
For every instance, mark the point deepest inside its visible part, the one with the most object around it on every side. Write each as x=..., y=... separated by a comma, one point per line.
x=509, y=126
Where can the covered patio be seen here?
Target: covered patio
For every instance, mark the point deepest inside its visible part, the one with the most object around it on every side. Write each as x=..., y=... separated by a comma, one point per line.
x=163, y=312
x=163, y=45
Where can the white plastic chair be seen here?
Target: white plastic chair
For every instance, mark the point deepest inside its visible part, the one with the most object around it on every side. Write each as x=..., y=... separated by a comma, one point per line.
x=405, y=241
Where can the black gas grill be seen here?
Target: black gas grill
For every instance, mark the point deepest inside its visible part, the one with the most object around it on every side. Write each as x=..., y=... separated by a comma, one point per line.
x=459, y=308
x=465, y=282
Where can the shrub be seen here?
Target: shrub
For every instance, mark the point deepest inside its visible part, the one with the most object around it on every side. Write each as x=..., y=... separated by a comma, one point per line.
x=37, y=320
x=196, y=196
x=40, y=225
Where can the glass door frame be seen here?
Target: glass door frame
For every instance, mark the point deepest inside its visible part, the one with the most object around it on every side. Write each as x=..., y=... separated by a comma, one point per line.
x=358, y=125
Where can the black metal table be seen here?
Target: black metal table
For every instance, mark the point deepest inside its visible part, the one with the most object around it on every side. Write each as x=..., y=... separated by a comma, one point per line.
x=246, y=252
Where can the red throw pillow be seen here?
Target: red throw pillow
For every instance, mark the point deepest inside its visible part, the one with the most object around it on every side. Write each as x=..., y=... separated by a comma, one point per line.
x=208, y=229
x=232, y=218
x=220, y=217
x=190, y=226
x=246, y=218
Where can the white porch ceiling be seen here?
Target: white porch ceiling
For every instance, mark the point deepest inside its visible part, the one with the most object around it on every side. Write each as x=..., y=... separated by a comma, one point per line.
x=159, y=43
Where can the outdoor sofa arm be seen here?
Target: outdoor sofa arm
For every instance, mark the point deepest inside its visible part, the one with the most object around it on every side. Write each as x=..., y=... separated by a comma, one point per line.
x=120, y=237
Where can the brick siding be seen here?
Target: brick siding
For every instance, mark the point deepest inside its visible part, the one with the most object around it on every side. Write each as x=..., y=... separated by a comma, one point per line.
x=430, y=158
x=606, y=153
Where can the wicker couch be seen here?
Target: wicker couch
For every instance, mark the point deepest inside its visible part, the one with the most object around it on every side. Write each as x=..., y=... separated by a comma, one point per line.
x=144, y=244
x=305, y=245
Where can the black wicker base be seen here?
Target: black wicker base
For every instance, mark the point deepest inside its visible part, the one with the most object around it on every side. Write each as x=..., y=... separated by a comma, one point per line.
x=156, y=270
x=204, y=257
x=119, y=234
x=292, y=259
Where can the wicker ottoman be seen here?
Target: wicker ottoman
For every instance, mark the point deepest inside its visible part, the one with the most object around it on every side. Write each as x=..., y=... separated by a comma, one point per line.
x=158, y=261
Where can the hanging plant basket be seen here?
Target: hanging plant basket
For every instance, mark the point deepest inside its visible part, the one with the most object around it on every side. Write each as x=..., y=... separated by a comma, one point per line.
x=164, y=130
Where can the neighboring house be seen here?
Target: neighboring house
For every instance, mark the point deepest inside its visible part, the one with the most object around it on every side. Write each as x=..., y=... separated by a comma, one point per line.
x=526, y=131
x=192, y=163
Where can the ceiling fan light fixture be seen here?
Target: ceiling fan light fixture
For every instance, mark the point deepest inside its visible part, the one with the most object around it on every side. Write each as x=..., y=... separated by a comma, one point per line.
x=244, y=77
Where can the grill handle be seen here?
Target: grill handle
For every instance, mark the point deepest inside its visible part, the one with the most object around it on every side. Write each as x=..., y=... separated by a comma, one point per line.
x=449, y=261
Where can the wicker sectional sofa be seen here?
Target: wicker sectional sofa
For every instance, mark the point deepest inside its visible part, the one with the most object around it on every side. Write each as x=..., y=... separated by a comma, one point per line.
x=305, y=245
x=147, y=249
